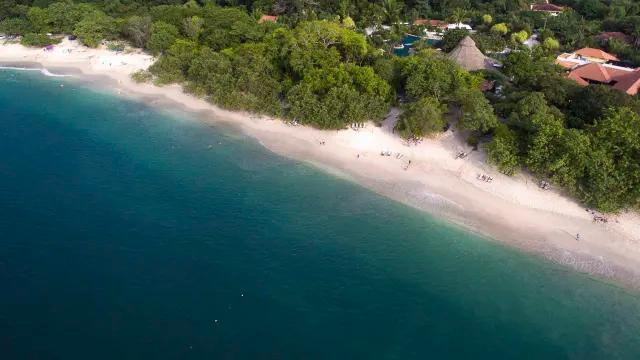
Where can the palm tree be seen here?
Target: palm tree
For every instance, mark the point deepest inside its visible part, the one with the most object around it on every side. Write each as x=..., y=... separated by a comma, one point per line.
x=391, y=10
x=459, y=15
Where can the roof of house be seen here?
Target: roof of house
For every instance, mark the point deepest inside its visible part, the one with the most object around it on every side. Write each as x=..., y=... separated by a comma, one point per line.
x=266, y=18
x=578, y=79
x=430, y=22
x=563, y=61
x=629, y=82
x=467, y=55
x=616, y=35
x=593, y=72
x=459, y=26
x=621, y=78
x=546, y=7
x=595, y=53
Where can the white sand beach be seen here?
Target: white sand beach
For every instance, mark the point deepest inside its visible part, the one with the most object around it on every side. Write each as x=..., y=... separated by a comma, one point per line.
x=427, y=176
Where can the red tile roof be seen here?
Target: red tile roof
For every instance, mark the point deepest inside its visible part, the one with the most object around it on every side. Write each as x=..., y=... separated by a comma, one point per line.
x=547, y=7
x=577, y=79
x=565, y=63
x=629, y=82
x=596, y=53
x=604, y=36
x=265, y=18
x=430, y=22
x=620, y=79
x=593, y=72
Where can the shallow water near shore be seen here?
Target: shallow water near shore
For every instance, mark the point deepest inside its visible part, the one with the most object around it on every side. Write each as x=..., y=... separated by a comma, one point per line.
x=132, y=233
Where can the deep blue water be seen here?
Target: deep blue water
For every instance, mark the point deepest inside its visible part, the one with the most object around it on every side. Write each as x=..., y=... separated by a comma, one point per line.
x=127, y=233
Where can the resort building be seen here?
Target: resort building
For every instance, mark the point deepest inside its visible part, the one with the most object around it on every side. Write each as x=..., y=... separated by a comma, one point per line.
x=553, y=10
x=268, y=18
x=459, y=26
x=620, y=78
x=431, y=23
x=614, y=35
x=584, y=56
x=594, y=66
x=376, y=29
x=467, y=55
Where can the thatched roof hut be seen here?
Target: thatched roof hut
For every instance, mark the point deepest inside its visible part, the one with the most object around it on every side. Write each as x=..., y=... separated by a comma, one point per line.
x=467, y=55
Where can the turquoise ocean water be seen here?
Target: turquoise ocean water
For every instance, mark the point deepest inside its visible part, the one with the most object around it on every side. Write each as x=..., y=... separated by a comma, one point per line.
x=127, y=233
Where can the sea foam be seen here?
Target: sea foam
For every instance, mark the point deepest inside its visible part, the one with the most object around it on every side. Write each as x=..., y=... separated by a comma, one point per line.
x=43, y=71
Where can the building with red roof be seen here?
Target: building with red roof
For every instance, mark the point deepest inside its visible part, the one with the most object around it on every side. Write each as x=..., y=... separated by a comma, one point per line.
x=268, y=18
x=595, y=55
x=584, y=56
x=594, y=66
x=623, y=79
x=439, y=24
x=614, y=35
x=553, y=10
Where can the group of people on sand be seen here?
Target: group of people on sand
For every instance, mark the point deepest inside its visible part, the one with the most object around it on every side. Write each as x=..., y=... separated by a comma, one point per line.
x=357, y=126
x=399, y=156
x=485, y=178
x=461, y=155
x=544, y=185
x=598, y=218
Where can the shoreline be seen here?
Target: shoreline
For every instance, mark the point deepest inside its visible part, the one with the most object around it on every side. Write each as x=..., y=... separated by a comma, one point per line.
x=511, y=210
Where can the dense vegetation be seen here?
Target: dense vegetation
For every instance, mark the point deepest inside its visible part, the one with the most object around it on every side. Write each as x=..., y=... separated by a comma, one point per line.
x=316, y=66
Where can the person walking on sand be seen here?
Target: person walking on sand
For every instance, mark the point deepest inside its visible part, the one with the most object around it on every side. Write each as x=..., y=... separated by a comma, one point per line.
x=578, y=237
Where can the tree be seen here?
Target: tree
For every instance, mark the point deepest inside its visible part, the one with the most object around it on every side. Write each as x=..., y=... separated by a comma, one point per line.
x=162, y=36
x=333, y=97
x=228, y=27
x=137, y=29
x=502, y=151
x=38, y=40
x=487, y=19
x=421, y=118
x=459, y=15
x=254, y=83
x=545, y=139
x=429, y=75
x=63, y=16
x=14, y=26
x=500, y=28
x=612, y=178
x=348, y=23
x=477, y=112
x=591, y=102
x=39, y=19
x=570, y=159
x=323, y=44
x=534, y=70
x=95, y=27
x=193, y=27
x=551, y=44
x=391, y=10
x=489, y=41
x=519, y=37
x=452, y=38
